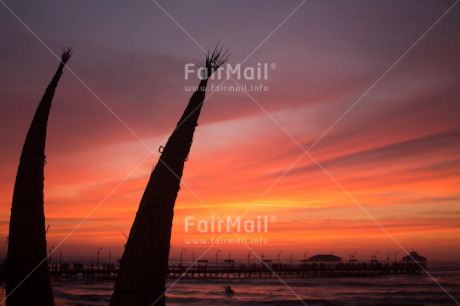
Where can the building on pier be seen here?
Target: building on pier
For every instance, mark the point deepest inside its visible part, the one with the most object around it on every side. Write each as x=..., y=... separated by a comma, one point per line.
x=325, y=259
x=414, y=257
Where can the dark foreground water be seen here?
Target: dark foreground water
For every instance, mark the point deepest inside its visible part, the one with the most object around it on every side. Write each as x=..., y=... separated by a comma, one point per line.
x=382, y=290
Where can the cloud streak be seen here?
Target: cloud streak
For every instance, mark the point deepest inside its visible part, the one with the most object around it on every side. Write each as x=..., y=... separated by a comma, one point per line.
x=397, y=151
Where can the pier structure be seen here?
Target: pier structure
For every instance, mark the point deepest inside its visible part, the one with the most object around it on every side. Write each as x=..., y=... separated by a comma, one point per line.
x=316, y=266
x=287, y=271
x=261, y=270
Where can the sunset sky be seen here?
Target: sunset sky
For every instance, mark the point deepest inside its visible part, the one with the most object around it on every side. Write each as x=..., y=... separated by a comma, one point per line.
x=354, y=147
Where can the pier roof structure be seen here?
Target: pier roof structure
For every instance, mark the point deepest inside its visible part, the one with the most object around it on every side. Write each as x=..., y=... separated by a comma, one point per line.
x=414, y=256
x=325, y=258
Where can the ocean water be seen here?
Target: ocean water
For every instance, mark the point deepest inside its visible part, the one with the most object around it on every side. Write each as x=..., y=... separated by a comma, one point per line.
x=413, y=290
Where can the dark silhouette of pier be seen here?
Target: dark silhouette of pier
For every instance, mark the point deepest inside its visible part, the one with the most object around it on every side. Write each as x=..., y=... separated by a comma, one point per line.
x=292, y=271
x=313, y=267
x=255, y=271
